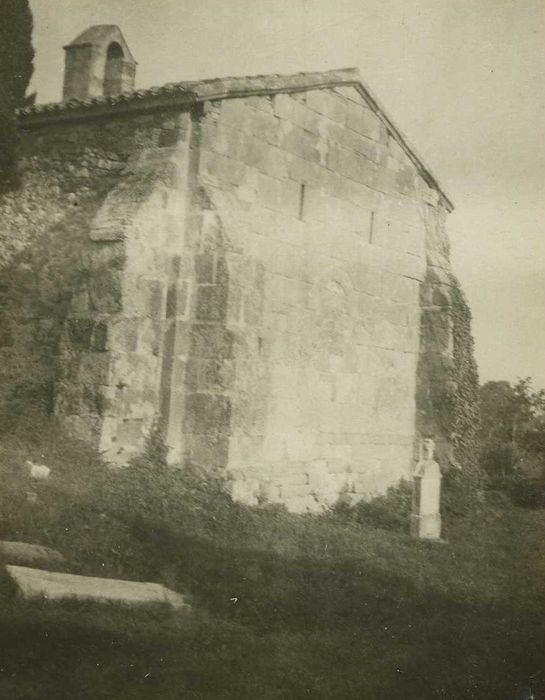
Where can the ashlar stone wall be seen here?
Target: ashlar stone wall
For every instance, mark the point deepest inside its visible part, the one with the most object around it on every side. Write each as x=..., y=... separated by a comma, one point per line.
x=246, y=272
x=324, y=240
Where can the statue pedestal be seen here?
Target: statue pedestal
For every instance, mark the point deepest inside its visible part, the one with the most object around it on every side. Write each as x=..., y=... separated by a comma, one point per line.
x=426, y=517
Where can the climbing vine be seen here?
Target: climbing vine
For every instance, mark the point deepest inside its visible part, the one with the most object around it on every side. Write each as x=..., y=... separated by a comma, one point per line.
x=465, y=398
x=448, y=383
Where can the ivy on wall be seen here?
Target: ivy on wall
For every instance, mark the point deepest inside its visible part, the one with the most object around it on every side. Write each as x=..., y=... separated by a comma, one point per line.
x=447, y=382
x=465, y=400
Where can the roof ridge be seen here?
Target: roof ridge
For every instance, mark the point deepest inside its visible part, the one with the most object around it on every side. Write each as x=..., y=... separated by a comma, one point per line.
x=232, y=87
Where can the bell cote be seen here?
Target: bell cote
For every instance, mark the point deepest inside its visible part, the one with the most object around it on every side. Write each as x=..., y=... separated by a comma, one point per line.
x=98, y=63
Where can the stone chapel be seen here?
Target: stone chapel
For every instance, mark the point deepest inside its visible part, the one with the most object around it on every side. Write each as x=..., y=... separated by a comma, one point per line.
x=243, y=261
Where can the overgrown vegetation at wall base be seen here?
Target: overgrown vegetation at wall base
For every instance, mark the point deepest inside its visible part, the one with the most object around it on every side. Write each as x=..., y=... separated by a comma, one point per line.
x=345, y=605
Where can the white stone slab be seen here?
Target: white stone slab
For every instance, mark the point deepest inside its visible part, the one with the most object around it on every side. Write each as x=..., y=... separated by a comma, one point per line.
x=29, y=554
x=37, y=471
x=36, y=584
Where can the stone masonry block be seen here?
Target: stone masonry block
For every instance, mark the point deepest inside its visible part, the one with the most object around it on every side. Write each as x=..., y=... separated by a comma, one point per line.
x=275, y=162
x=261, y=103
x=294, y=490
x=328, y=103
x=252, y=308
x=363, y=145
x=211, y=341
x=205, y=267
x=406, y=179
x=222, y=169
x=151, y=335
x=94, y=368
x=300, y=142
x=136, y=403
x=284, y=106
x=192, y=369
x=385, y=180
x=235, y=112
x=151, y=297
x=211, y=303
x=356, y=167
x=131, y=432
x=253, y=153
x=80, y=331
x=244, y=449
x=265, y=127
x=99, y=339
x=364, y=122
x=207, y=450
x=227, y=141
x=105, y=291
x=168, y=137
x=123, y=334
x=179, y=342
x=270, y=192
x=207, y=414
x=179, y=299
x=133, y=369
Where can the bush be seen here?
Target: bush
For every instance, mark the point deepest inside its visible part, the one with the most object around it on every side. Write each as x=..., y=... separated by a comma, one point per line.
x=527, y=492
x=459, y=498
x=388, y=512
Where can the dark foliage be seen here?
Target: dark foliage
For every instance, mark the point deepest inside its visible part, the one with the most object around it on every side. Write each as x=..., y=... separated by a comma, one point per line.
x=512, y=440
x=465, y=420
x=388, y=512
x=448, y=383
x=16, y=56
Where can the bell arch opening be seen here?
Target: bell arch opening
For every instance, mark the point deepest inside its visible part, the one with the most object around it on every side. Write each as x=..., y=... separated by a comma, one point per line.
x=114, y=51
x=113, y=70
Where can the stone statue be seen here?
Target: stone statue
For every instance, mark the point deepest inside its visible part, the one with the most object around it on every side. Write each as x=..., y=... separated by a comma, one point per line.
x=428, y=449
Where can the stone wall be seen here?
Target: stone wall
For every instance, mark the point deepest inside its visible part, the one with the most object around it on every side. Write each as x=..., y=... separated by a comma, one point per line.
x=324, y=238
x=90, y=249
x=248, y=274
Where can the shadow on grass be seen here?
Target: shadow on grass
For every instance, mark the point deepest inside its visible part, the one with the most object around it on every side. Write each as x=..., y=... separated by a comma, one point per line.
x=284, y=606
x=270, y=626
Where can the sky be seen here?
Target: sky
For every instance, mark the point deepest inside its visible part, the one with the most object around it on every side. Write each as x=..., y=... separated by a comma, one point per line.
x=464, y=80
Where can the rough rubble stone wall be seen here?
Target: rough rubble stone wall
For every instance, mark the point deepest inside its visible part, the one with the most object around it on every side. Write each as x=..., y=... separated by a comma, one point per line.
x=324, y=240
x=90, y=251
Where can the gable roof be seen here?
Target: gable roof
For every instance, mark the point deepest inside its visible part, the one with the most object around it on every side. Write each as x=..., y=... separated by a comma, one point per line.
x=191, y=92
x=101, y=34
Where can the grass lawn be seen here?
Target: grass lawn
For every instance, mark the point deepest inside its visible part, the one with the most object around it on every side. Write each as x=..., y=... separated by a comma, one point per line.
x=345, y=605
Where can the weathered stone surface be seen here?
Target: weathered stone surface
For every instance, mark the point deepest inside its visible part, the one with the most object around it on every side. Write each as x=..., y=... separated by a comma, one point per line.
x=36, y=584
x=26, y=554
x=248, y=273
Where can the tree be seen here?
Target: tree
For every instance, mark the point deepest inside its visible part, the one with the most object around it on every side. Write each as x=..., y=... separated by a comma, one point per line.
x=512, y=436
x=528, y=433
x=16, y=56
